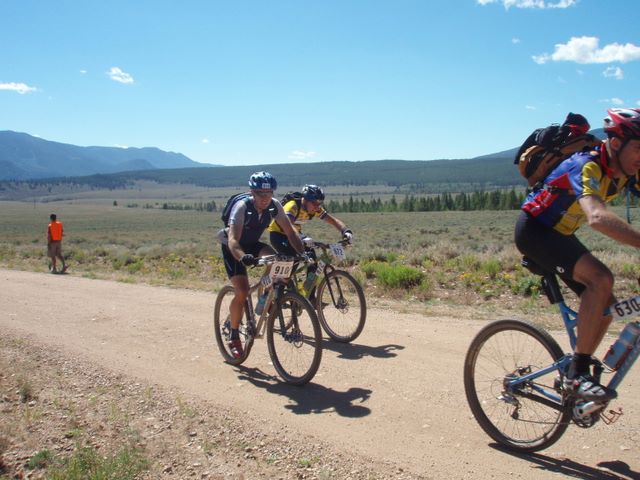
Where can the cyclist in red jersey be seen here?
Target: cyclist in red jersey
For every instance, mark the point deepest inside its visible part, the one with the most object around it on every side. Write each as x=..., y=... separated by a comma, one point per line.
x=575, y=193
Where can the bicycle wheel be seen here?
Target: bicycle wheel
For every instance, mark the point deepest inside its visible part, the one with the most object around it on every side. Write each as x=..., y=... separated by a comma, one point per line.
x=341, y=306
x=294, y=339
x=222, y=326
x=520, y=420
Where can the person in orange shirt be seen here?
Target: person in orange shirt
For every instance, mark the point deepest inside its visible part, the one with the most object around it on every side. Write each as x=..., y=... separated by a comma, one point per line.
x=54, y=243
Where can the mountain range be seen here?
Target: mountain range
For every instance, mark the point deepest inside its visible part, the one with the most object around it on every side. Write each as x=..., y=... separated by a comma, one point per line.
x=24, y=157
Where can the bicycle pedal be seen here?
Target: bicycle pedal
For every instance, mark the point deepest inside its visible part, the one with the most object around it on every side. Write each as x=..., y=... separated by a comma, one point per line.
x=611, y=416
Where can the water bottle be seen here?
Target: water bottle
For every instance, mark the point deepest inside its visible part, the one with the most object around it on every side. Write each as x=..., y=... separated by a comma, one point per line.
x=262, y=299
x=617, y=353
x=310, y=281
x=300, y=287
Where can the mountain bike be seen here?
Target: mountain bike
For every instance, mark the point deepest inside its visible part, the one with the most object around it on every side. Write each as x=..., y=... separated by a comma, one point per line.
x=291, y=325
x=337, y=297
x=514, y=372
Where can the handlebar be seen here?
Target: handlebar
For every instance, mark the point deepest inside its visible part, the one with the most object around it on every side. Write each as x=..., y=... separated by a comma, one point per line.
x=269, y=259
x=344, y=242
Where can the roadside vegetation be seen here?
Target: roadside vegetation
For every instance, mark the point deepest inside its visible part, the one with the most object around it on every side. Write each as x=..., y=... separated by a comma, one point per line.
x=450, y=257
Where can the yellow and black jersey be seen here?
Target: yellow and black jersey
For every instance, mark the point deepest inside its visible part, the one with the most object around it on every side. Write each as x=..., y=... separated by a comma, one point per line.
x=298, y=216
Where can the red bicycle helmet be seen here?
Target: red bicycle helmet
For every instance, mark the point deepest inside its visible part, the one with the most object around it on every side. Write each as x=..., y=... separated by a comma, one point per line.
x=623, y=123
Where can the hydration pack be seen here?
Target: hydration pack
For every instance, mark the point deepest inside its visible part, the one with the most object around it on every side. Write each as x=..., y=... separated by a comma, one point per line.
x=546, y=147
x=226, y=211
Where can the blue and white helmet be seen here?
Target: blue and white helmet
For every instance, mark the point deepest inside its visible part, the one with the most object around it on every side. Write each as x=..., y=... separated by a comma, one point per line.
x=262, y=181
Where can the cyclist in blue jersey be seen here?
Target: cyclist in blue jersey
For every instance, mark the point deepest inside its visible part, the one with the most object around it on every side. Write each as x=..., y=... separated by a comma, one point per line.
x=574, y=193
x=249, y=218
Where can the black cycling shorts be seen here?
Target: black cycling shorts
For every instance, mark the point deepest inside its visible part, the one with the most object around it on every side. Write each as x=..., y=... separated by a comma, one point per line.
x=550, y=249
x=280, y=242
x=235, y=267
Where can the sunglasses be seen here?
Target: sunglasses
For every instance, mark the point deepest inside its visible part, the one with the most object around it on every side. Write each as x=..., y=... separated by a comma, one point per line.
x=263, y=193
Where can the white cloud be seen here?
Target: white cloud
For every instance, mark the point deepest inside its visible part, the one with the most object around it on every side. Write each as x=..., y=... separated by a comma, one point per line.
x=613, y=72
x=20, y=88
x=205, y=140
x=614, y=101
x=530, y=107
x=586, y=50
x=531, y=3
x=300, y=155
x=515, y=41
x=83, y=72
x=121, y=146
x=117, y=75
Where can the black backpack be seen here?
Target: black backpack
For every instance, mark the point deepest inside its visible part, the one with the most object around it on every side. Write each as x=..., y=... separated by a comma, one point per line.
x=297, y=196
x=546, y=147
x=226, y=211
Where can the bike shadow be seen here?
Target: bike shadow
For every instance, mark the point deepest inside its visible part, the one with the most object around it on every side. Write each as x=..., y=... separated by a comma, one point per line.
x=312, y=397
x=354, y=351
x=613, y=470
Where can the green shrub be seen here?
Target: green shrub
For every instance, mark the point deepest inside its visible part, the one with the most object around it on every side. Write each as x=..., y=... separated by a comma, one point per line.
x=528, y=286
x=398, y=276
x=491, y=267
x=87, y=464
x=40, y=459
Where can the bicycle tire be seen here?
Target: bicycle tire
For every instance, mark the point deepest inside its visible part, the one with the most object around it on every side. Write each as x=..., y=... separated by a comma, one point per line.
x=517, y=422
x=344, y=321
x=294, y=339
x=223, y=329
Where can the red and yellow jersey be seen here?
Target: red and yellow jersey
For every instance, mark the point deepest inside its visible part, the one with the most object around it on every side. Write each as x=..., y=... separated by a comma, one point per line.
x=298, y=216
x=585, y=173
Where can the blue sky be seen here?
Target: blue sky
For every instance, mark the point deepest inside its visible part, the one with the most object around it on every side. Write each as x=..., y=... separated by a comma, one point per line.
x=272, y=81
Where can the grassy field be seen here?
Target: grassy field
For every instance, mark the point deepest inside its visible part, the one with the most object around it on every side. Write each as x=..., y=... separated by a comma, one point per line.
x=426, y=257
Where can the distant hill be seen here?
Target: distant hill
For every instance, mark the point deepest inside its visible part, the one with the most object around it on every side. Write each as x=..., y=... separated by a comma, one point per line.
x=24, y=157
x=490, y=171
x=598, y=132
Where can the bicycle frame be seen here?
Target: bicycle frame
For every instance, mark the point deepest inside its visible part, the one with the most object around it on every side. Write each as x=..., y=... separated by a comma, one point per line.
x=274, y=289
x=325, y=267
x=630, y=307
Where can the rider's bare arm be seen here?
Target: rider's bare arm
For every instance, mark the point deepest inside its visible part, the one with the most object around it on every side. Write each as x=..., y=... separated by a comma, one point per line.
x=336, y=222
x=292, y=234
x=235, y=232
x=607, y=222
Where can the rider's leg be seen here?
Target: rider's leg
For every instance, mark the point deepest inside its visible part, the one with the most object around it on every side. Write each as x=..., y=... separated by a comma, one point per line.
x=592, y=325
x=236, y=309
x=597, y=295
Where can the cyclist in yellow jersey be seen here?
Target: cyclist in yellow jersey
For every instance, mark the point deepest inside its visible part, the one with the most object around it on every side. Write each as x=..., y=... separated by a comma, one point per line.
x=301, y=211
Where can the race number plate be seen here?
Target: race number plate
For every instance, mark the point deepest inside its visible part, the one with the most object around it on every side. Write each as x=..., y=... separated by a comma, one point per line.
x=281, y=270
x=626, y=308
x=337, y=251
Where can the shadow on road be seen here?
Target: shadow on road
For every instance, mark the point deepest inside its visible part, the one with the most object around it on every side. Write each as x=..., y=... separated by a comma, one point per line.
x=614, y=470
x=354, y=351
x=311, y=398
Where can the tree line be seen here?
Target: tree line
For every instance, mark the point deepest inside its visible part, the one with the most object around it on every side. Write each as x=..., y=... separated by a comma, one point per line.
x=479, y=200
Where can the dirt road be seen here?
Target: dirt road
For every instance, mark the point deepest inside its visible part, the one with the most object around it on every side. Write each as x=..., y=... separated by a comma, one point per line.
x=396, y=395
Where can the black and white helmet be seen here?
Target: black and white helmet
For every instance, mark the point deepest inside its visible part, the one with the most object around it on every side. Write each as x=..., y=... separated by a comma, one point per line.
x=313, y=193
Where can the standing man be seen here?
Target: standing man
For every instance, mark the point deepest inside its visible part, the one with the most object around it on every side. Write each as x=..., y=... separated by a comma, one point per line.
x=54, y=243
